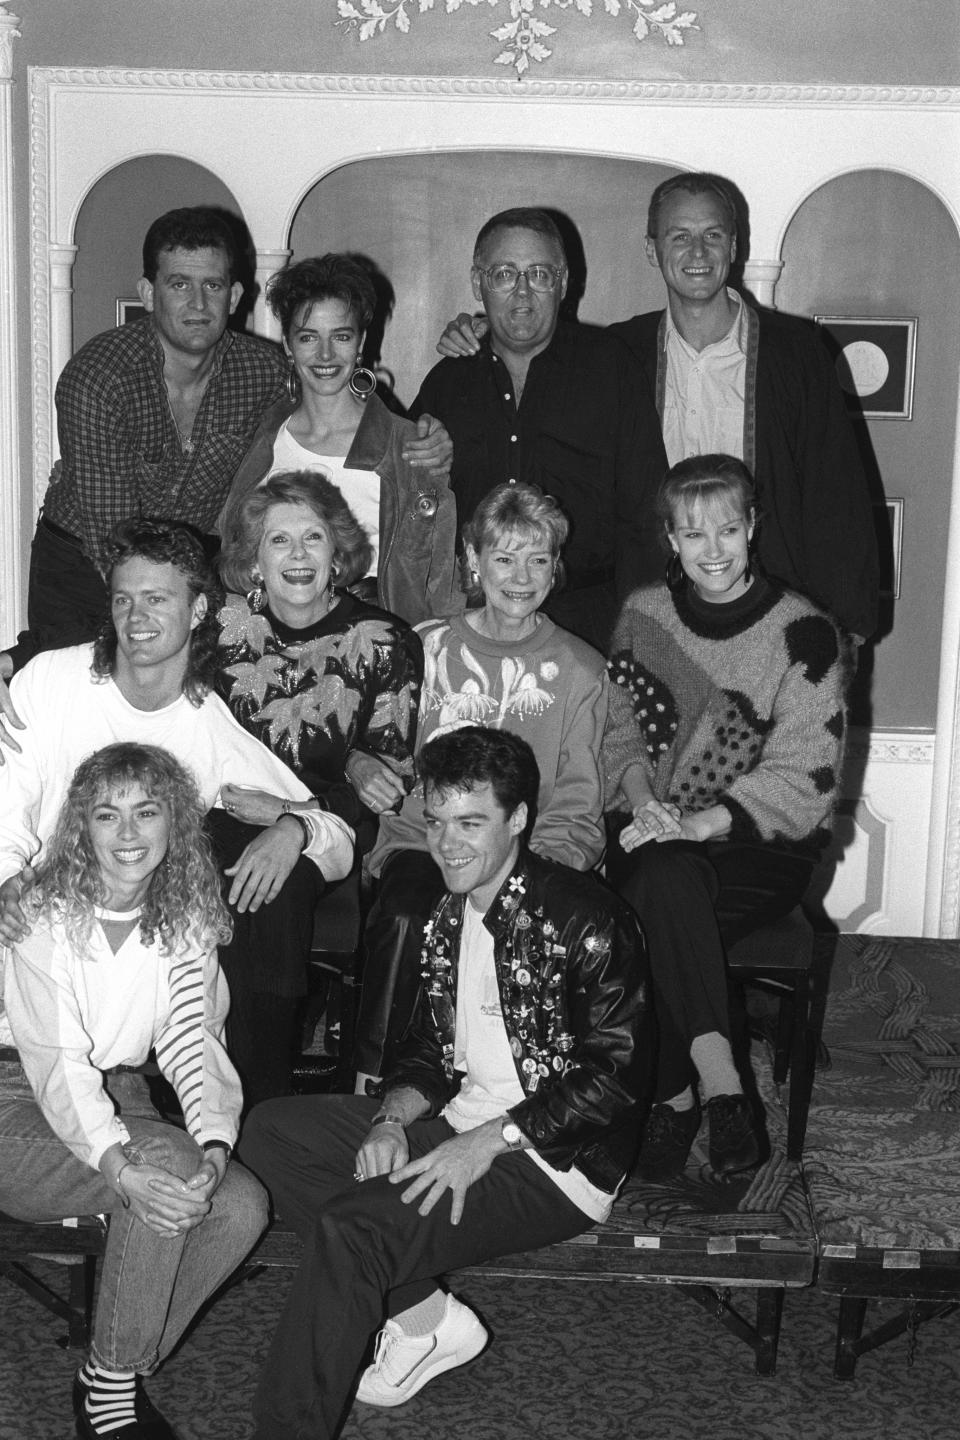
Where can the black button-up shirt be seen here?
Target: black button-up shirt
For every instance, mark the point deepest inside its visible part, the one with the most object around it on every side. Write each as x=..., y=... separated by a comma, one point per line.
x=585, y=431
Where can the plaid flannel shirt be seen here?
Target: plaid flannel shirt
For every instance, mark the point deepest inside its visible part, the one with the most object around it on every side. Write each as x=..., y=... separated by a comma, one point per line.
x=121, y=453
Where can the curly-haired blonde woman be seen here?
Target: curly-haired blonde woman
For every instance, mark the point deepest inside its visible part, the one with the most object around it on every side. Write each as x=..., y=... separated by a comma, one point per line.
x=121, y=959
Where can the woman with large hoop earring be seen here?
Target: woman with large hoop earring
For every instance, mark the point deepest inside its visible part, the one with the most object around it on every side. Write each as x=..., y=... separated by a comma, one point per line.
x=393, y=474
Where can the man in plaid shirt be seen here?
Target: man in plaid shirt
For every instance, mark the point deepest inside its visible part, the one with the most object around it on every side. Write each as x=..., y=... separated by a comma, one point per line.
x=153, y=419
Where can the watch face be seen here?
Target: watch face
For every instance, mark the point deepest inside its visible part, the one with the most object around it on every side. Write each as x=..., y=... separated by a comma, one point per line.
x=511, y=1132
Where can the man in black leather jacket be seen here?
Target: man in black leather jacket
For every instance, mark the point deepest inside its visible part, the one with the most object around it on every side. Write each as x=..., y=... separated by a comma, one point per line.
x=508, y=1124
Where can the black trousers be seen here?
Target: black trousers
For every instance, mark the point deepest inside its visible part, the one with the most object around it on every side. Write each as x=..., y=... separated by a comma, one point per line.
x=365, y=1251
x=67, y=602
x=410, y=886
x=266, y=966
x=693, y=901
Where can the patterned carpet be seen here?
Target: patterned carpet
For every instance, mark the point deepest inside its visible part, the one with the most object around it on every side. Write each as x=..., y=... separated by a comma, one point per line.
x=577, y=1361
x=569, y=1361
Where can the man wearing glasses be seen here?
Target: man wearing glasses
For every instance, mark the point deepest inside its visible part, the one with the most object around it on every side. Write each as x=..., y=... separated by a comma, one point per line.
x=559, y=405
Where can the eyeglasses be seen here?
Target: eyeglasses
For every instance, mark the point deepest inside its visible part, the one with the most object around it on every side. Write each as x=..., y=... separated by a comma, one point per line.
x=504, y=278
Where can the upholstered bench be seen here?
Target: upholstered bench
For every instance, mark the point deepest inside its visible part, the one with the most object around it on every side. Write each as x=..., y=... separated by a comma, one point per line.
x=882, y=1158
x=734, y=1248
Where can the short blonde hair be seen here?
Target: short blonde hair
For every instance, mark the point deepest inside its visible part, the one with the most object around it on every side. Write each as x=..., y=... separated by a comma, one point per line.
x=521, y=510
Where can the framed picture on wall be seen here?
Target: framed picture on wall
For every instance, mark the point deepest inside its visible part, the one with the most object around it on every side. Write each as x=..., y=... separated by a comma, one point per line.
x=889, y=520
x=875, y=362
x=128, y=310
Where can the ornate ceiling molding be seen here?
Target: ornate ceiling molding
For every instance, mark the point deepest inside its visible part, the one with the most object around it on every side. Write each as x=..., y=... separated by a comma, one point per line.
x=777, y=94
x=524, y=35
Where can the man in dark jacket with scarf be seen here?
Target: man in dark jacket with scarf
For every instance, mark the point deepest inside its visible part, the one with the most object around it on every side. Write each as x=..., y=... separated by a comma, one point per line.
x=727, y=376
x=509, y=1123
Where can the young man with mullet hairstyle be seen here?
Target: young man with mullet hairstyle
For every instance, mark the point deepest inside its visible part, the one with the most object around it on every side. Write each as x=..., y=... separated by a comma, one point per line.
x=509, y=1122
x=148, y=678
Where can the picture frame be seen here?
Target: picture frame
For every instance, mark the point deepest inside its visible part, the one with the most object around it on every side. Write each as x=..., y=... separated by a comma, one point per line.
x=875, y=359
x=889, y=519
x=132, y=309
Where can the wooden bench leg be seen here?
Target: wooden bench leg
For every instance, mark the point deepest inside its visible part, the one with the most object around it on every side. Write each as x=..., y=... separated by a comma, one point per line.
x=852, y=1343
x=769, y=1315
x=76, y=1309
x=764, y=1337
x=802, y=1064
x=849, y=1330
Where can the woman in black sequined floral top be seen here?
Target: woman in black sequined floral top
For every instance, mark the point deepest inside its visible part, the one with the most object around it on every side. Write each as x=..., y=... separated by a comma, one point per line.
x=331, y=685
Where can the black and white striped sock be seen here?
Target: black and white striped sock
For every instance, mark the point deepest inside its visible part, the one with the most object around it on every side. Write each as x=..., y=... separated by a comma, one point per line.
x=111, y=1397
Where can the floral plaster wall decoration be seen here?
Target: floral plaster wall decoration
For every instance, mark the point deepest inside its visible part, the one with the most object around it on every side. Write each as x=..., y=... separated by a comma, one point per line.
x=523, y=36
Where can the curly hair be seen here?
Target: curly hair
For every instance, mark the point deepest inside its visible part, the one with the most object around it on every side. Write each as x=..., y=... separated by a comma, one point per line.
x=165, y=544
x=522, y=511
x=352, y=552
x=322, y=277
x=183, y=899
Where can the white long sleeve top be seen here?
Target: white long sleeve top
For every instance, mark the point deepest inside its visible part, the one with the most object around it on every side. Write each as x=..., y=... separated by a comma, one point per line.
x=69, y=713
x=74, y=1015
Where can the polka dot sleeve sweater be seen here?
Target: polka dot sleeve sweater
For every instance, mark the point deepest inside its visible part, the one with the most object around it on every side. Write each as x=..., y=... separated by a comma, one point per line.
x=739, y=704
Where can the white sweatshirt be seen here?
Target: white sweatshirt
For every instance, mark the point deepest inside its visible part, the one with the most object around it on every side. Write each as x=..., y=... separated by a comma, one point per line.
x=74, y=1014
x=69, y=713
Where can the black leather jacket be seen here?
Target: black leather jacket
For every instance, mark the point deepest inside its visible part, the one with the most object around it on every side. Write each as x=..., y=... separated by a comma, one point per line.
x=577, y=1006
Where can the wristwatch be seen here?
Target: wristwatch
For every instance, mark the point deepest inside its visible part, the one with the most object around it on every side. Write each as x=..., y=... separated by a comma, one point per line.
x=218, y=1145
x=511, y=1132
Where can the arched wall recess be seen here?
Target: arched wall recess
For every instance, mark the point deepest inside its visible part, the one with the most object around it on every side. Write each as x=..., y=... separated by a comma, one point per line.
x=777, y=142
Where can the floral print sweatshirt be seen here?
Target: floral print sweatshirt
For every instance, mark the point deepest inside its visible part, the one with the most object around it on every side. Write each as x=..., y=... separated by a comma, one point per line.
x=551, y=690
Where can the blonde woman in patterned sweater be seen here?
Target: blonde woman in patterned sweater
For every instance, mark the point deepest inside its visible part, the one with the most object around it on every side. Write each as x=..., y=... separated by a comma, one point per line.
x=722, y=757
x=504, y=665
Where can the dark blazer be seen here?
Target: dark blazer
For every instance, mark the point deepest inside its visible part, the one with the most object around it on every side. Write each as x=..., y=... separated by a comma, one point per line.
x=817, y=532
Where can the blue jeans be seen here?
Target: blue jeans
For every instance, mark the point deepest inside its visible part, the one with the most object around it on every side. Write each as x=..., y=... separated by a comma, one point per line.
x=151, y=1286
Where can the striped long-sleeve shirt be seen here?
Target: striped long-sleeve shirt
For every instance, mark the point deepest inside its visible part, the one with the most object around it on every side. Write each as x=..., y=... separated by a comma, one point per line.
x=76, y=1014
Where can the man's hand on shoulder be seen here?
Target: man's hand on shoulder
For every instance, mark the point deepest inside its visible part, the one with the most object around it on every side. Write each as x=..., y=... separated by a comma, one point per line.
x=7, y=709
x=432, y=450
x=462, y=336
x=13, y=922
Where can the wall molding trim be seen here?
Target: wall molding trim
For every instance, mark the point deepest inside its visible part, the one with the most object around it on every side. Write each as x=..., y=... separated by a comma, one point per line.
x=10, y=517
x=227, y=121
x=763, y=93
x=895, y=748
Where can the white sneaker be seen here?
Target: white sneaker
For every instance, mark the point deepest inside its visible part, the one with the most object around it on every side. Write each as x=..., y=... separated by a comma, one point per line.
x=403, y=1364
